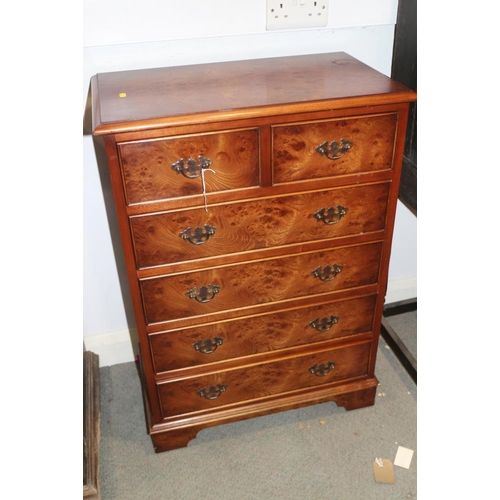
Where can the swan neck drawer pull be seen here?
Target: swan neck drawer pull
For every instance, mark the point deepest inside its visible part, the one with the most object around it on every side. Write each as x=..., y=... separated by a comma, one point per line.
x=334, y=150
x=208, y=346
x=198, y=235
x=191, y=168
x=324, y=324
x=327, y=273
x=204, y=294
x=212, y=392
x=330, y=215
x=323, y=369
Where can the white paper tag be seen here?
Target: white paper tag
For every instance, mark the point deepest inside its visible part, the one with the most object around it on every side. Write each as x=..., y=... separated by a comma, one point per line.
x=403, y=457
x=204, y=188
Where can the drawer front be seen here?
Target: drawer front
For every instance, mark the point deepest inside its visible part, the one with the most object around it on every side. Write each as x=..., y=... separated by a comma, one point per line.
x=193, y=234
x=148, y=172
x=269, y=332
x=296, y=157
x=267, y=379
x=232, y=287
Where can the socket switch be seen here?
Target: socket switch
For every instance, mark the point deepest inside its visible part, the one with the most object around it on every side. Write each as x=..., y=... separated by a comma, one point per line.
x=294, y=14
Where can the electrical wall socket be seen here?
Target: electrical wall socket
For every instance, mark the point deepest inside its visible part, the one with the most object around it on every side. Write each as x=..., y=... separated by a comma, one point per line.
x=293, y=14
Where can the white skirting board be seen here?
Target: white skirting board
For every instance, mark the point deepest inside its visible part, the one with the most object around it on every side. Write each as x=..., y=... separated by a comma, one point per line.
x=112, y=348
x=401, y=289
x=115, y=347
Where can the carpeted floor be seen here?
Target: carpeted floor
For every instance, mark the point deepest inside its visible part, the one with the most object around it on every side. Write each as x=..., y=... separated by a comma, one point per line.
x=316, y=453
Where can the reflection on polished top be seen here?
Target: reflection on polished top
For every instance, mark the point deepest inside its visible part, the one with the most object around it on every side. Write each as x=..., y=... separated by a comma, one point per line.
x=240, y=89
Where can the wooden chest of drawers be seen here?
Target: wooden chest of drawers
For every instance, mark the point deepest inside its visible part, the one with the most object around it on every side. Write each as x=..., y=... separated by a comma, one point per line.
x=256, y=204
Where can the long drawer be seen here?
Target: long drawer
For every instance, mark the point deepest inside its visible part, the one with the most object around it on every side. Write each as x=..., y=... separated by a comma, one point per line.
x=169, y=167
x=254, y=335
x=192, y=234
x=267, y=379
x=328, y=148
x=236, y=286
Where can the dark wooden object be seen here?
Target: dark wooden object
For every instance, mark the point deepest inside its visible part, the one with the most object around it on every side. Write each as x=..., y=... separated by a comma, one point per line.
x=407, y=359
x=404, y=70
x=91, y=425
x=256, y=216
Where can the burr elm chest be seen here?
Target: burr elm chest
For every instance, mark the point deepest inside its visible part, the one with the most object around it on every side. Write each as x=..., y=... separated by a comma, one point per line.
x=256, y=204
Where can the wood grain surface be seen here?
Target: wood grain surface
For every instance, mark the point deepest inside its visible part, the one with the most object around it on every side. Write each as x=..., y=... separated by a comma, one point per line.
x=269, y=222
x=224, y=268
x=259, y=282
x=147, y=165
x=294, y=147
x=244, y=89
x=264, y=379
x=260, y=334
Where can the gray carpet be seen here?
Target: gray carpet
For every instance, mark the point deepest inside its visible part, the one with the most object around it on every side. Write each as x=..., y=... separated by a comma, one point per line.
x=314, y=453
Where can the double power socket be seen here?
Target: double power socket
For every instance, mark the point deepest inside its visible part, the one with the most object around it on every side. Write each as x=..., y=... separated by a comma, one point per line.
x=295, y=14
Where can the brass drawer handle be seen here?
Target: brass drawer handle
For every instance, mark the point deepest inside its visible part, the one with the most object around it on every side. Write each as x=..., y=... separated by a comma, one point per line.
x=191, y=169
x=212, y=392
x=333, y=151
x=198, y=235
x=323, y=369
x=204, y=294
x=330, y=215
x=327, y=273
x=208, y=346
x=324, y=324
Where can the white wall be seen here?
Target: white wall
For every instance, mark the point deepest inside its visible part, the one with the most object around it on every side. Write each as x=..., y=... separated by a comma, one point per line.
x=133, y=34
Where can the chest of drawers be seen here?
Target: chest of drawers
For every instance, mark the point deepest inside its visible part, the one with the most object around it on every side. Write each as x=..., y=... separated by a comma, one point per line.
x=256, y=203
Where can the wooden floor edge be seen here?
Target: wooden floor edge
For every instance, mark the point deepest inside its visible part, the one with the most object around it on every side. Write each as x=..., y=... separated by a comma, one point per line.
x=91, y=425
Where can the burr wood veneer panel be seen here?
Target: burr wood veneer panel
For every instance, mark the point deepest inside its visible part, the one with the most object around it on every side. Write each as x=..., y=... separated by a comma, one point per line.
x=259, y=334
x=370, y=147
x=148, y=175
x=233, y=287
x=266, y=379
x=185, y=235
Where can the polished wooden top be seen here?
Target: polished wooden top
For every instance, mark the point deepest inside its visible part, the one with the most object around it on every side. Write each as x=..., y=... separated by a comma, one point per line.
x=144, y=99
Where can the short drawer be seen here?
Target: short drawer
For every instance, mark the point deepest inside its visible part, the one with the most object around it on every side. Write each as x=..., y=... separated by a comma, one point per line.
x=170, y=167
x=269, y=332
x=236, y=286
x=264, y=380
x=335, y=147
x=224, y=229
